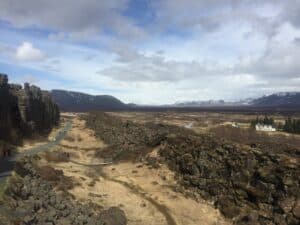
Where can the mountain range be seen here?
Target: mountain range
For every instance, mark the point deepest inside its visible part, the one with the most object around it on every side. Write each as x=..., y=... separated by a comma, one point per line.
x=209, y=103
x=282, y=99
x=286, y=99
x=81, y=102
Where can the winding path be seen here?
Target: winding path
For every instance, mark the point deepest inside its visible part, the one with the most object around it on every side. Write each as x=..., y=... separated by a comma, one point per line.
x=139, y=191
x=133, y=188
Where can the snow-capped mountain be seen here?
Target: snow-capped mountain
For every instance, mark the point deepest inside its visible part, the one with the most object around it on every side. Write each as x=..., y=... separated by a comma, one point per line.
x=212, y=103
x=278, y=99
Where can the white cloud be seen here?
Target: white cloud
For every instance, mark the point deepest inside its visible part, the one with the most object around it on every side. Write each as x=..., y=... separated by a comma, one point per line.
x=188, y=50
x=28, y=53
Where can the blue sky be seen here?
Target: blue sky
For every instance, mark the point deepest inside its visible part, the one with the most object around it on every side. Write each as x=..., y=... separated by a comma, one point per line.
x=153, y=52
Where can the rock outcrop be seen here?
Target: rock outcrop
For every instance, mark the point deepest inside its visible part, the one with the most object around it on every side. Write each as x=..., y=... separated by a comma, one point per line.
x=250, y=185
x=24, y=111
x=10, y=118
x=31, y=200
x=126, y=139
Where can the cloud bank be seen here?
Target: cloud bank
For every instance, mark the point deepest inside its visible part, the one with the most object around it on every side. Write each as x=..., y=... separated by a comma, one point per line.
x=158, y=51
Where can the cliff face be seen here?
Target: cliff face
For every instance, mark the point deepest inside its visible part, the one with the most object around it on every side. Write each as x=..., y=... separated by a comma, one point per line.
x=24, y=111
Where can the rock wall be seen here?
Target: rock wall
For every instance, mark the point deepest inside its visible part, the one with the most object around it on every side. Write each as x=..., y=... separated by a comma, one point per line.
x=249, y=185
x=24, y=111
x=10, y=120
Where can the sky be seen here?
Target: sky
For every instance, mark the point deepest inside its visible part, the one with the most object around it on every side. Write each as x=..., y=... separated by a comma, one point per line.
x=153, y=51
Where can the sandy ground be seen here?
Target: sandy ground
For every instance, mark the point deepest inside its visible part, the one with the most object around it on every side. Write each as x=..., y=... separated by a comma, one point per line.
x=146, y=195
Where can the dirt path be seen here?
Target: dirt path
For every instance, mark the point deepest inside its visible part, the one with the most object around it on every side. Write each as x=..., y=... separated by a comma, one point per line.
x=146, y=195
x=135, y=189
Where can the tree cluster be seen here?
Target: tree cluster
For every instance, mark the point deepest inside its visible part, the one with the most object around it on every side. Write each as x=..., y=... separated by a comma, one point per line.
x=292, y=125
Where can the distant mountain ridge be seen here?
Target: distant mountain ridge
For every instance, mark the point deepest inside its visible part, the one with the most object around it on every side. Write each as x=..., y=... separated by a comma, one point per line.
x=72, y=101
x=278, y=99
x=211, y=103
x=285, y=99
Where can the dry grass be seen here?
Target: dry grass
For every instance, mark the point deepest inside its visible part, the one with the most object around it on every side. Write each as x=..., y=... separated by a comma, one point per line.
x=252, y=137
x=158, y=184
x=81, y=138
x=242, y=136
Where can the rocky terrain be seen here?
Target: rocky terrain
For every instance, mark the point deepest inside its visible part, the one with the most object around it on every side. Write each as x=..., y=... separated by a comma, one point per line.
x=249, y=185
x=127, y=139
x=31, y=199
x=148, y=196
x=24, y=111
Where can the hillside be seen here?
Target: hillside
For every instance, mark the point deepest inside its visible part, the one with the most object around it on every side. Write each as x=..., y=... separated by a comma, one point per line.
x=71, y=101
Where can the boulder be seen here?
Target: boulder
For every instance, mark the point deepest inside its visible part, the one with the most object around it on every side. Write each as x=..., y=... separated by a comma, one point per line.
x=113, y=216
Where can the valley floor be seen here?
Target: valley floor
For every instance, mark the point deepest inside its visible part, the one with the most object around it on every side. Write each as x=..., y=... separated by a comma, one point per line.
x=148, y=196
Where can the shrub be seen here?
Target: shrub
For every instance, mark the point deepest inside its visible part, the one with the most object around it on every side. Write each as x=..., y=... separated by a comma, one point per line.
x=57, y=177
x=57, y=156
x=69, y=138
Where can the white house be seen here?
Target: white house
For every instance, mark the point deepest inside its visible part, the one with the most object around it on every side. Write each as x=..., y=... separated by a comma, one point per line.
x=263, y=127
x=189, y=125
x=234, y=124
